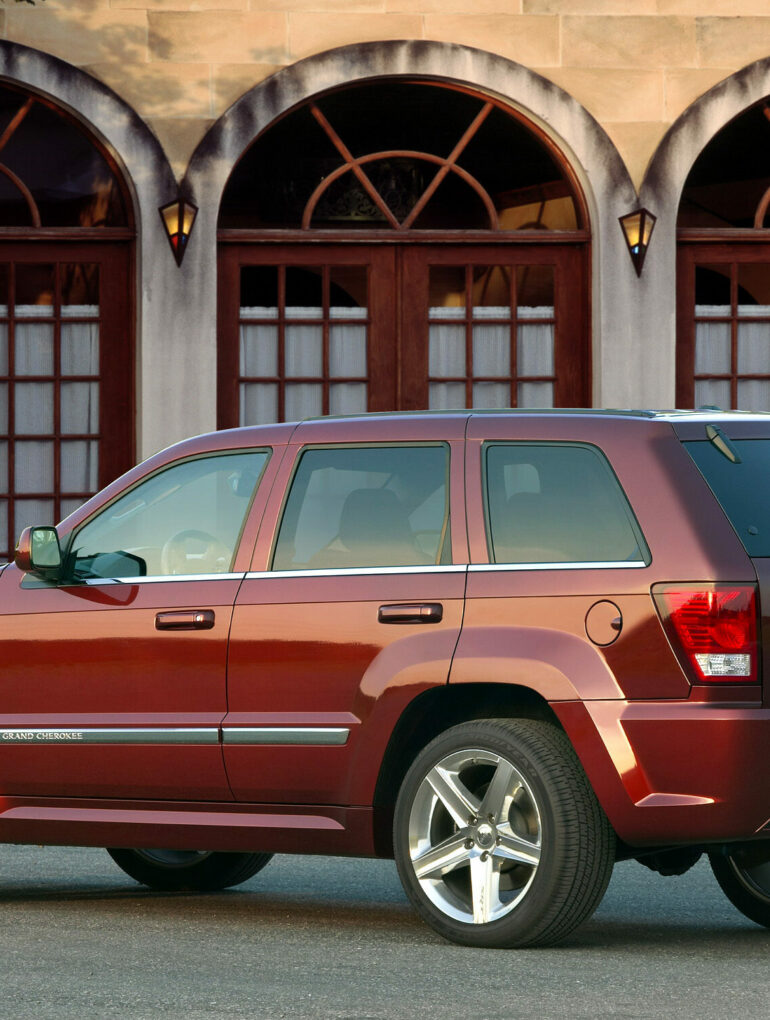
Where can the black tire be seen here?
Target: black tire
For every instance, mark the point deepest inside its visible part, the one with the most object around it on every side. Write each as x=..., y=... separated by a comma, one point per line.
x=744, y=875
x=529, y=797
x=190, y=870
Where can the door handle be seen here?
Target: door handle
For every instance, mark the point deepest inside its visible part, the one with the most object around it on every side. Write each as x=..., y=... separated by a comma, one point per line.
x=189, y=619
x=423, y=612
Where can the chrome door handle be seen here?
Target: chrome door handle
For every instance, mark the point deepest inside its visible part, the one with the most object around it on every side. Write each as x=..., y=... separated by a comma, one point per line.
x=189, y=619
x=422, y=612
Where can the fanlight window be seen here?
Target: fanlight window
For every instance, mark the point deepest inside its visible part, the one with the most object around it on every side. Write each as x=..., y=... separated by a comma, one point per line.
x=400, y=156
x=51, y=173
x=729, y=184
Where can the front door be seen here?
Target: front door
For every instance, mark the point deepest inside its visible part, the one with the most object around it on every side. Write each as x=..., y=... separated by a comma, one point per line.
x=307, y=329
x=114, y=681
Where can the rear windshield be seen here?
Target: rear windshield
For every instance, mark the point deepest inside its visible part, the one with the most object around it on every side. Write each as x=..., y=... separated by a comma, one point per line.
x=742, y=488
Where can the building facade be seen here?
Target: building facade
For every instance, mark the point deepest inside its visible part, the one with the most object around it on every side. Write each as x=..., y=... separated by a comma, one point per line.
x=399, y=205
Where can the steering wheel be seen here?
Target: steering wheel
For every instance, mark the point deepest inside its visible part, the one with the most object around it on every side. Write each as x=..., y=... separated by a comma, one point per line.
x=176, y=556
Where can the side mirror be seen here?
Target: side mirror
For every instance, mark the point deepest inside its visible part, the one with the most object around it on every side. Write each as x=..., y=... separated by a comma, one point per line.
x=38, y=552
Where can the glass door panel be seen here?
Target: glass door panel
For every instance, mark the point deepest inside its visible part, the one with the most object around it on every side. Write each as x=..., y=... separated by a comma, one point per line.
x=53, y=376
x=311, y=328
x=723, y=343
x=502, y=331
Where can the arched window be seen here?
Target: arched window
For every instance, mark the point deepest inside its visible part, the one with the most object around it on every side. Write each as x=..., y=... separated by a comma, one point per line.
x=65, y=351
x=400, y=244
x=723, y=338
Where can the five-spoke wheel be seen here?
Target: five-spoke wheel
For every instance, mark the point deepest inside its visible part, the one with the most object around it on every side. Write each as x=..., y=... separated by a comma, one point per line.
x=499, y=839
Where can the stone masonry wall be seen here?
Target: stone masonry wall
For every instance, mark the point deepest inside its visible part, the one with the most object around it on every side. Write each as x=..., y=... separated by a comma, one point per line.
x=634, y=64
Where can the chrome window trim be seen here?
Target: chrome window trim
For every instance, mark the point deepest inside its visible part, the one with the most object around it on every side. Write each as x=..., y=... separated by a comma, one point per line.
x=304, y=735
x=606, y=565
x=445, y=568
x=60, y=735
x=160, y=578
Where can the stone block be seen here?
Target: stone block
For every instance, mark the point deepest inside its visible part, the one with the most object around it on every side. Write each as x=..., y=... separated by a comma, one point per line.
x=231, y=81
x=596, y=7
x=179, y=137
x=317, y=6
x=210, y=37
x=732, y=42
x=160, y=89
x=181, y=5
x=636, y=143
x=313, y=33
x=631, y=41
x=80, y=34
x=529, y=39
x=612, y=94
x=455, y=6
x=684, y=87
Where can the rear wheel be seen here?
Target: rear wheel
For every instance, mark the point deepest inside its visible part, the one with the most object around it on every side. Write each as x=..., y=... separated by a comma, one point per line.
x=195, y=870
x=744, y=875
x=499, y=838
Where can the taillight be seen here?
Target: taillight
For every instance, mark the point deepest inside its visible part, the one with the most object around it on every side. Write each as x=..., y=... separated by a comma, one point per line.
x=713, y=629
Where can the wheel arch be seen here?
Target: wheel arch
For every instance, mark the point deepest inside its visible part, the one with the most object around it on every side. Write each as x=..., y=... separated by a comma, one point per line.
x=428, y=715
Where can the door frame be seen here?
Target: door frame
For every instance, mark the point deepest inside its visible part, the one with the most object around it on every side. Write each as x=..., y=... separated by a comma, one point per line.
x=395, y=315
x=701, y=249
x=117, y=375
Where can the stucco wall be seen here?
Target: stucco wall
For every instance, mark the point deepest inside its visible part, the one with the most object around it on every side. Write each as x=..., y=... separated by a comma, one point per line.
x=635, y=65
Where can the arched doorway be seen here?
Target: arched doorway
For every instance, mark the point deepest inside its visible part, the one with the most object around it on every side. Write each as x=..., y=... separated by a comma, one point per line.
x=66, y=355
x=400, y=244
x=723, y=289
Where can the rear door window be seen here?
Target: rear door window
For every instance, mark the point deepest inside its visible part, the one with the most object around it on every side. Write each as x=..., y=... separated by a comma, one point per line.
x=383, y=506
x=739, y=476
x=557, y=503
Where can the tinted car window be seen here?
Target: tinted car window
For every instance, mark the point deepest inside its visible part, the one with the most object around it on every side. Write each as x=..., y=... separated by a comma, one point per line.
x=550, y=503
x=741, y=485
x=366, y=507
x=183, y=520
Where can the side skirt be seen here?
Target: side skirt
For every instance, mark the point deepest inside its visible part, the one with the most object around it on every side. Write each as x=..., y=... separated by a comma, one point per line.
x=173, y=825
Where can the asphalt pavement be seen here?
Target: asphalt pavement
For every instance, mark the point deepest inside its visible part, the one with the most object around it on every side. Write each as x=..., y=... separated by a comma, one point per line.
x=334, y=938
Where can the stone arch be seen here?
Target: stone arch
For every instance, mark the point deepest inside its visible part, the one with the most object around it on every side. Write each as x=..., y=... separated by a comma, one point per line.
x=584, y=144
x=160, y=337
x=662, y=188
x=687, y=137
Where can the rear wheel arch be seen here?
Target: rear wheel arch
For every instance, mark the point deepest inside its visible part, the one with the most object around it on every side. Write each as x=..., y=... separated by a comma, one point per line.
x=430, y=714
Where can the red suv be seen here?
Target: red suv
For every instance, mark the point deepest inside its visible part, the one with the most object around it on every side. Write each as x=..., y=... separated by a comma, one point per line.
x=507, y=648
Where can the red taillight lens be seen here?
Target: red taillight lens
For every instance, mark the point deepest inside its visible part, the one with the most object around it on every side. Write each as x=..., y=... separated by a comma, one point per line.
x=713, y=629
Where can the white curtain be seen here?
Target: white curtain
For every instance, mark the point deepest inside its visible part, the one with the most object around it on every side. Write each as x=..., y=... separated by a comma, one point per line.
x=34, y=355
x=713, y=356
x=347, y=357
x=535, y=355
x=491, y=356
x=303, y=358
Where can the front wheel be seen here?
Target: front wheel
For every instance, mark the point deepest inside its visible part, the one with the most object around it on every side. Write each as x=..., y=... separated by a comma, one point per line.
x=744, y=875
x=499, y=839
x=193, y=870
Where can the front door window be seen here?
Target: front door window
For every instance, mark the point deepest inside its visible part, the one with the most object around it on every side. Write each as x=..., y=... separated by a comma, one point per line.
x=185, y=520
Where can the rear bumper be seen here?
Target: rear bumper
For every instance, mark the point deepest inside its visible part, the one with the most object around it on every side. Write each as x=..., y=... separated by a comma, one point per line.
x=675, y=771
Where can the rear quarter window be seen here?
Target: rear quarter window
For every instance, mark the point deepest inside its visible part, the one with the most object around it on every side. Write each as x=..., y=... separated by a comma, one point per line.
x=557, y=503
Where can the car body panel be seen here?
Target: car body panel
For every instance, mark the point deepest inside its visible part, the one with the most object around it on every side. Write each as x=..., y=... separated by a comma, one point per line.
x=299, y=687
x=89, y=658
x=307, y=648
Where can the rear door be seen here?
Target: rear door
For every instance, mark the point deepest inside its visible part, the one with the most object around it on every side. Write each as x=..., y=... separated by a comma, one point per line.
x=353, y=610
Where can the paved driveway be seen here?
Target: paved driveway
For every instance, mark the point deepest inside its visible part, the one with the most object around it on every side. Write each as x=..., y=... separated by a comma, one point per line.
x=333, y=938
